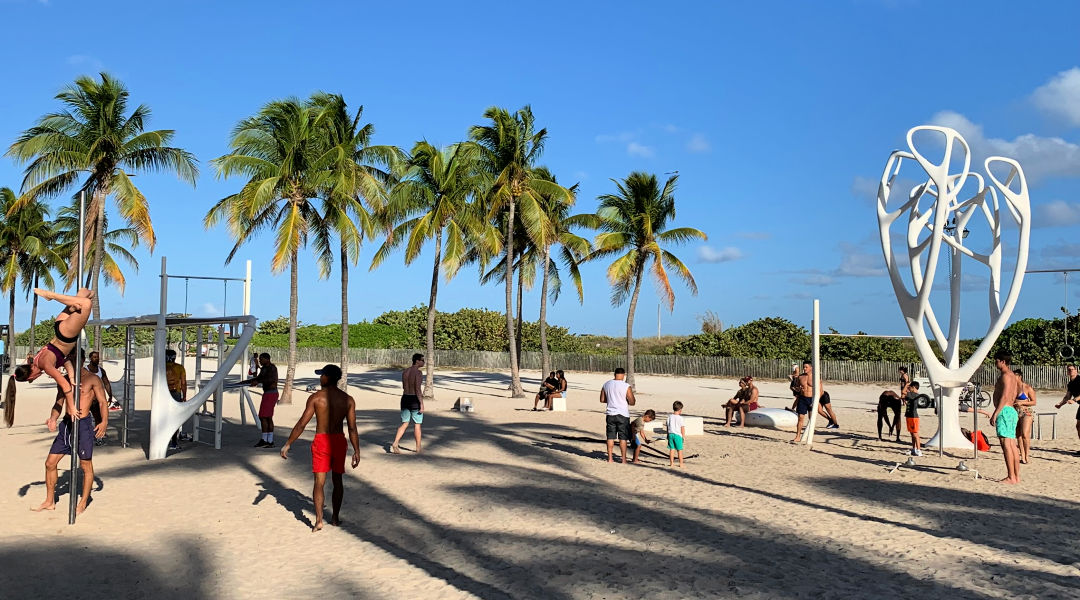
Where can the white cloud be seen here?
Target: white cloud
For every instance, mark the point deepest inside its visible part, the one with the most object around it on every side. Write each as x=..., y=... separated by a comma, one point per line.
x=855, y=262
x=210, y=310
x=622, y=137
x=712, y=255
x=1039, y=156
x=864, y=187
x=1060, y=96
x=1055, y=214
x=818, y=279
x=754, y=235
x=670, y=128
x=636, y=149
x=698, y=143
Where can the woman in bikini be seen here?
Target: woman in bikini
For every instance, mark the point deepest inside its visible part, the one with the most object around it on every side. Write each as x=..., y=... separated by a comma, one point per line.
x=1025, y=403
x=67, y=327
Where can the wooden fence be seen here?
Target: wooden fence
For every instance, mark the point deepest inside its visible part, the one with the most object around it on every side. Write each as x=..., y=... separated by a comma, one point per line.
x=1039, y=376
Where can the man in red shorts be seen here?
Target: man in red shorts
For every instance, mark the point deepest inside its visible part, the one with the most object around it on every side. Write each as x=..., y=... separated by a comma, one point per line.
x=268, y=378
x=330, y=406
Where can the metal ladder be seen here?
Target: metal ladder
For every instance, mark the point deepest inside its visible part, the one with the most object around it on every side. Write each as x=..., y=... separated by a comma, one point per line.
x=208, y=421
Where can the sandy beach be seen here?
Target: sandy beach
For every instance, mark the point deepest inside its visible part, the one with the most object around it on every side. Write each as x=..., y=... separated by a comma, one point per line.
x=510, y=503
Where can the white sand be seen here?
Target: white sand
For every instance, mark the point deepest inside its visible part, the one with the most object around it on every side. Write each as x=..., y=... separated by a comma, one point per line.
x=510, y=503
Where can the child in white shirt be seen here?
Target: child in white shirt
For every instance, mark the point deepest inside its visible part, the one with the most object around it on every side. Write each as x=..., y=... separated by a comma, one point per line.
x=676, y=430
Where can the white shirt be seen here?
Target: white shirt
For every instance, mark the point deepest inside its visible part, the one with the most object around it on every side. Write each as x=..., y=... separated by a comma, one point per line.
x=615, y=393
x=675, y=424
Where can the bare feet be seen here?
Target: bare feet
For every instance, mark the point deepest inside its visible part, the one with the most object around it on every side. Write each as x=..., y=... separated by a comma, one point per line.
x=317, y=527
x=1010, y=481
x=47, y=505
x=394, y=449
x=335, y=521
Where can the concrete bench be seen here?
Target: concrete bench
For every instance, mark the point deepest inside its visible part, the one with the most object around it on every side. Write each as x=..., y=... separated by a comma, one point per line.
x=694, y=425
x=464, y=404
x=558, y=404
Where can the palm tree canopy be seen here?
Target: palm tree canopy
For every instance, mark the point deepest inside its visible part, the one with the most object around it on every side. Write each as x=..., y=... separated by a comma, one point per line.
x=25, y=239
x=118, y=246
x=95, y=137
x=283, y=153
x=633, y=222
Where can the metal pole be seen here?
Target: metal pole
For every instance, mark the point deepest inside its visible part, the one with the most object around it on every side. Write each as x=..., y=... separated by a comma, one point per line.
x=975, y=426
x=73, y=488
x=816, y=379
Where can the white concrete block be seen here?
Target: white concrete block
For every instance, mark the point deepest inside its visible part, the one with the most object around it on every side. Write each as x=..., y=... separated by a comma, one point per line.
x=694, y=425
x=558, y=404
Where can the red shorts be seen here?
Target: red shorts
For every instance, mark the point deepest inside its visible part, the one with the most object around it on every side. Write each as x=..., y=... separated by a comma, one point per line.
x=328, y=453
x=913, y=425
x=266, y=407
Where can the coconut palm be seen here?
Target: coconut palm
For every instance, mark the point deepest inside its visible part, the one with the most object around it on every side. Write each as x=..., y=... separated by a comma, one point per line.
x=634, y=223
x=37, y=271
x=117, y=249
x=431, y=201
x=357, y=189
x=507, y=149
x=282, y=153
x=572, y=250
x=24, y=233
x=94, y=145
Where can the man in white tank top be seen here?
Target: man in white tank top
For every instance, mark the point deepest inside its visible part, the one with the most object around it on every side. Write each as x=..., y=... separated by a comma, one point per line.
x=619, y=397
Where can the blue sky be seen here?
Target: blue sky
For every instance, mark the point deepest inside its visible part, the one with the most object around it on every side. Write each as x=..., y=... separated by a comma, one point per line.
x=778, y=116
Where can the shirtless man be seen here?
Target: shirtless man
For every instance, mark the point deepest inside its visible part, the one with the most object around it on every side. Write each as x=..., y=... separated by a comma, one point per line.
x=330, y=406
x=1072, y=393
x=1005, y=416
x=412, y=402
x=268, y=378
x=96, y=368
x=90, y=391
x=803, y=387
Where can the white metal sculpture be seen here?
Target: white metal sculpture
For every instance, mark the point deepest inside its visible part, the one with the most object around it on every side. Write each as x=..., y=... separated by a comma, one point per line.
x=936, y=216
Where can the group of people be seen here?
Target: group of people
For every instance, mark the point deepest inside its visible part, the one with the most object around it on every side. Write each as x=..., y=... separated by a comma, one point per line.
x=619, y=397
x=554, y=386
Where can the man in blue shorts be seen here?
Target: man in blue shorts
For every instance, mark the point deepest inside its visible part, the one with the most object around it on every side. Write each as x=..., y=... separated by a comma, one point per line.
x=90, y=391
x=412, y=402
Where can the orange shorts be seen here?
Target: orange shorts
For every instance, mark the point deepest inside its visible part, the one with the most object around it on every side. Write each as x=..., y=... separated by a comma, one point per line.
x=328, y=453
x=913, y=425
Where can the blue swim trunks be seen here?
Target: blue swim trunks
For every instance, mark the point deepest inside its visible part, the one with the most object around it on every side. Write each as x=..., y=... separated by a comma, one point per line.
x=674, y=441
x=411, y=415
x=1006, y=422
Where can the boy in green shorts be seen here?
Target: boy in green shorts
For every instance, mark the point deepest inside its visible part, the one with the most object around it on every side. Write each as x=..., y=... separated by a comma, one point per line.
x=675, y=440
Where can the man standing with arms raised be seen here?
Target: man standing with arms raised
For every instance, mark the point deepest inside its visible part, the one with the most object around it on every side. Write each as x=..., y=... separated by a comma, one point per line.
x=619, y=397
x=330, y=406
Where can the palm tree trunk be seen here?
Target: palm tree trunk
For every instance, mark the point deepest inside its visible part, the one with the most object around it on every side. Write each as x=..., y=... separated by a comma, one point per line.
x=520, y=335
x=429, y=382
x=290, y=372
x=630, y=329
x=344, y=382
x=11, y=327
x=545, y=357
x=511, y=338
x=99, y=256
x=33, y=318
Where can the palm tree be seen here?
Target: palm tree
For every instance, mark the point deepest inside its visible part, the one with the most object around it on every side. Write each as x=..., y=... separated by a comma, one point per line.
x=507, y=148
x=38, y=271
x=633, y=222
x=431, y=200
x=356, y=191
x=95, y=138
x=117, y=248
x=24, y=233
x=282, y=153
x=573, y=249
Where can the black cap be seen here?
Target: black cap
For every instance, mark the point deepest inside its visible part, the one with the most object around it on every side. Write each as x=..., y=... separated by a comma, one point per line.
x=332, y=372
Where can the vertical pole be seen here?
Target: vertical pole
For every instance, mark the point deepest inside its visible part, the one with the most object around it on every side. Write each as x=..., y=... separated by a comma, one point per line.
x=975, y=427
x=247, y=290
x=815, y=331
x=73, y=488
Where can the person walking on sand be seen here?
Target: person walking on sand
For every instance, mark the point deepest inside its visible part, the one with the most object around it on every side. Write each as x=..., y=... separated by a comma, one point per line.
x=1005, y=416
x=412, y=402
x=619, y=397
x=90, y=391
x=330, y=406
x=1072, y=393
x=268, y=378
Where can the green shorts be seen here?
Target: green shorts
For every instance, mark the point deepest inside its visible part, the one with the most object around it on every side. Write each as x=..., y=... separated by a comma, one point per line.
x=1006, y=422
x=674, y=441
x=411, y=415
